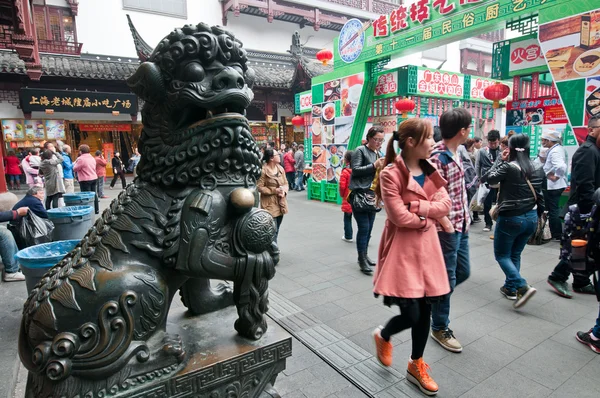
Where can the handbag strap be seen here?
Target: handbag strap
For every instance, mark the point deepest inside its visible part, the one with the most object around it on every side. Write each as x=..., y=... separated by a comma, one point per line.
x=531, y=187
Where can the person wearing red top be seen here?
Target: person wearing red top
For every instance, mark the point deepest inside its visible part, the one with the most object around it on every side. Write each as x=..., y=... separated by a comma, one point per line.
x=344, y=192
x=101, y=173
x=13, y=171
x=290, y=167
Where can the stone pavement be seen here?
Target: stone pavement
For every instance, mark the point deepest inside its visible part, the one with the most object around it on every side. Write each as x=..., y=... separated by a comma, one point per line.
x=320, y=296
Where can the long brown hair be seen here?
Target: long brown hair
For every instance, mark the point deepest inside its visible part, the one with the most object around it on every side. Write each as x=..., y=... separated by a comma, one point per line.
x=417, y=129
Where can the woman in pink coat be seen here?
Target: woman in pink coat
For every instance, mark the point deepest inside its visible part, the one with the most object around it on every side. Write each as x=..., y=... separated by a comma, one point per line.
x=411, y=272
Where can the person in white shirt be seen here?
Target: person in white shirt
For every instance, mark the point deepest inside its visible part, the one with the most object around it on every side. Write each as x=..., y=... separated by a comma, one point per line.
x=555, y=168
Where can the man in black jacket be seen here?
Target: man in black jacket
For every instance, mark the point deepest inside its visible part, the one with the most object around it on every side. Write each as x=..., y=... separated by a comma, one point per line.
x=8, y=246
x=585, y=179
x=485, y=159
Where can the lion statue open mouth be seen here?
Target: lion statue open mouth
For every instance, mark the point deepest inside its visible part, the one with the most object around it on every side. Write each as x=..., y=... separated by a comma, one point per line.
x=97, y=320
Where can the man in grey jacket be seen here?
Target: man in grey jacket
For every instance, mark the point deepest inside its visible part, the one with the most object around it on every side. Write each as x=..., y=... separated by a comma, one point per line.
x=299, y=158
x=485, y=159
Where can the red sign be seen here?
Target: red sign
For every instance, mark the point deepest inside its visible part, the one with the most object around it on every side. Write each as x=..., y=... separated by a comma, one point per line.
x=535, y=111
x=387, y=84
x=442, y=84
x=525, y=54
x=104, y=127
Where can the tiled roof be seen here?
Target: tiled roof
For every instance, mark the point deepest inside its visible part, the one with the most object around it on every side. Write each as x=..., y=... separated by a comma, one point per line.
x=76, y=67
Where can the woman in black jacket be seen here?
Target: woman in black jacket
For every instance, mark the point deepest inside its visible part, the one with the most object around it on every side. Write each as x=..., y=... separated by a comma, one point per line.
x=118, y=171
x=366, y=161
x=520, y=201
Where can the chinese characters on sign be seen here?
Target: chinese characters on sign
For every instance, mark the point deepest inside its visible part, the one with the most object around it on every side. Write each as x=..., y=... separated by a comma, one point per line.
x=387, y=84
x=305, y=101
x=440, y=83
x=77, y=101
x=478, y=86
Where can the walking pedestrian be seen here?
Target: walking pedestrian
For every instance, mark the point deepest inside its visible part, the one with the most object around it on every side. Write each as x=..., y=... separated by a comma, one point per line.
x=101, y=173
x=118, y=170
x=520, y=202
x=290, y=167
x=67, y=166
x=344, y=192
x=487, y=157
x=555, y=168
x=13, y=171
x=299, y=159
x=410, y=272
x=455, y=125
x=55, y=187
x=273, y=187
x=85, y=166
x=585, y=179
x=133, y=161
x=366, y=161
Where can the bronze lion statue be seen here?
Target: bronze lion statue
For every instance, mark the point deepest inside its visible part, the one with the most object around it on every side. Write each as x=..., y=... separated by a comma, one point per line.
x=97, y=319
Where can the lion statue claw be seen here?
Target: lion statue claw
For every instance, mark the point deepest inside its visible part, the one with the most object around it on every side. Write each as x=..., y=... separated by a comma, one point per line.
x=98, y=318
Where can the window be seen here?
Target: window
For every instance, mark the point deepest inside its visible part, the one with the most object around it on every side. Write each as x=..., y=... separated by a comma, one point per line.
x=176, y=8
x=56, y=24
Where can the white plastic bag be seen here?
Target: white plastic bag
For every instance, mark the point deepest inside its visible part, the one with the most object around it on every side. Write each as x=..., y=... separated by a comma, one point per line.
x=482, y=193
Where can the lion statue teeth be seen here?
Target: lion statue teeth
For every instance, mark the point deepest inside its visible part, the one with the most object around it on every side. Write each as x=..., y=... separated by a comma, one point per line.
x=98, y=318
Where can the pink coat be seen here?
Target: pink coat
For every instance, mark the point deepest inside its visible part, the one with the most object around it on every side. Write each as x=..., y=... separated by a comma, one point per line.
x=85, y=166
x=411, y=264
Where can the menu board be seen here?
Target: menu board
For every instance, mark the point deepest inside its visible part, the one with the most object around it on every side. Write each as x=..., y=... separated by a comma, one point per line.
x=331, y=125
x=535, y=111
x=13, y=129
x=55, y=129
x=34, y=129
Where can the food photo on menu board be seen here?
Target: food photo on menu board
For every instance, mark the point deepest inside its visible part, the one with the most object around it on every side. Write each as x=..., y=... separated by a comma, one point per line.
x=34, y=129
x=331, y=91
x=13, y=130
x=350, y=94
x=55, y=129
x=592, y=98
x=343, y=129
x=317, y=130
x=328, y=113
x=335, y=160
x=572, y=46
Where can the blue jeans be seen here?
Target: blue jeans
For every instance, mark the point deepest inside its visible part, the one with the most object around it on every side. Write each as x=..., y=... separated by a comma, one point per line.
x=455, y=248
x=596, y=329
x=364, y=222
x=510, y=237
x=348, y=225
x=300, y=181
x=8, y=249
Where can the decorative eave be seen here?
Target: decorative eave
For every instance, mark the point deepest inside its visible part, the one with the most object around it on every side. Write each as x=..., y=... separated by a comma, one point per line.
x=142, y=48
x=74, y=4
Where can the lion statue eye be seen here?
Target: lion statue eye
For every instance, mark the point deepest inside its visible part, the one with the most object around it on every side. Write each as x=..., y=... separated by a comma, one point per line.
x=193, y=72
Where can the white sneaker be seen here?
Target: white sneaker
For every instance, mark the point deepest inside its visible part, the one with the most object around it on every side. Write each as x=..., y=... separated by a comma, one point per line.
x=14, y=277
x=487, y=229
x=347, y=240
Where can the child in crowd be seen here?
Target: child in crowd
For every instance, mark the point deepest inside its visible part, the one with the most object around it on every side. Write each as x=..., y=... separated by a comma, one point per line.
x=344, y=192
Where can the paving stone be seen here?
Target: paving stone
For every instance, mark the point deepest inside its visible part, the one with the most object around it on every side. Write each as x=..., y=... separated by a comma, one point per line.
x=320, y=286
x=504, y=381
x=396, y=391
x=473, y=326
x=551, y=364
x=292, y=384
x=561, y=311
x=356, y=302
x=327, y=312
x=315, y=299
x=350, y=392
x=280, y=307
x=344, y=354
x=372, y=376
x=299, y=321
x=366, y=319
x=319, y=336
x=578, y=386
x=482, y=358
x=526, y=332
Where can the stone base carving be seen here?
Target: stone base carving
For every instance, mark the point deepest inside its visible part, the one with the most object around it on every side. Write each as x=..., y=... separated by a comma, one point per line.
x=218, y=364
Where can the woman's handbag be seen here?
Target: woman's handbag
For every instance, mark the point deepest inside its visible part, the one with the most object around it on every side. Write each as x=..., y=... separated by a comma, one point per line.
x=362, y=200
x=495, y=209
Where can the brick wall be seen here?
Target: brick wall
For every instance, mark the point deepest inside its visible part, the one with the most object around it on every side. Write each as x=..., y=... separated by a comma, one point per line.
x=10, y=96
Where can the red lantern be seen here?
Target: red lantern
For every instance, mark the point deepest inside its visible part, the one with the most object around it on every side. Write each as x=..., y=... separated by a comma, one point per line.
x=496, y=92
x=325, y=56
x=405, y=105
x=298, y=121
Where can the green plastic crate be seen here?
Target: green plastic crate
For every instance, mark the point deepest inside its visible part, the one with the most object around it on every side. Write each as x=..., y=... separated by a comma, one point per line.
x=315, y=190
x=331, y=192
x=323, y=191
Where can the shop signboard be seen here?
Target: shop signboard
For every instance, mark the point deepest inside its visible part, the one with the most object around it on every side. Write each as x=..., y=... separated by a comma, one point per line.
x=571, y=47
x=104, y=127
x=427, y=23
x=12, y=129
x=386, y=85
x=478, y=85
x=435, y=83
x=39, y=100
x=529, y=112
x=303, y=102
x=518, y=57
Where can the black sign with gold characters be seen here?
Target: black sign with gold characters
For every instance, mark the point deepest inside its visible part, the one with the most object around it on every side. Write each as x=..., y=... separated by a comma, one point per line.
x=40, y=100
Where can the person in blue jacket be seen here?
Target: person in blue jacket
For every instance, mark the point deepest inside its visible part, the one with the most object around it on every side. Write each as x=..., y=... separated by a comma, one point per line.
x=34, y=200
x=67, y=165
x=8, y=246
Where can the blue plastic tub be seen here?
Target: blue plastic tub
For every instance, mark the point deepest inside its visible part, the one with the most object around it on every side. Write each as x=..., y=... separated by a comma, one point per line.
x=79, y=198
x=36, y=260
x=71, y=222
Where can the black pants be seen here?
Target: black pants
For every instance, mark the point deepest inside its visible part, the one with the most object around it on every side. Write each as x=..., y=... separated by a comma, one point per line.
x=278, y=221
x=490, y=199
x=551, y=199
x=290, y=179
x=53, y=200
x=561, y=274
x=415, y=315
x=90, y=186
x=117, y=175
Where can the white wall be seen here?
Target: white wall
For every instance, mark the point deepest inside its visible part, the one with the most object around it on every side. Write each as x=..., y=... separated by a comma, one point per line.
x=100, y=37
x=58, y=3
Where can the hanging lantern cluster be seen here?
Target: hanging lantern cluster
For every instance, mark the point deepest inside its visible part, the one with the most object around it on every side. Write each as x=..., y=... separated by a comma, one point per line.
x=404, y=106
x=496, y=92
x=325, y=56
x=298, y=121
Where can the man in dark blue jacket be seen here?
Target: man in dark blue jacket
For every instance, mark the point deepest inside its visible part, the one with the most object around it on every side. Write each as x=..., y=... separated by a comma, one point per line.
x=34, y=200
x=8, y=246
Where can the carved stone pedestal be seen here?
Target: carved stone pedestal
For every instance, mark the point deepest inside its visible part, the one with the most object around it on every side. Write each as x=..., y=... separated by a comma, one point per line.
x=219, y=363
